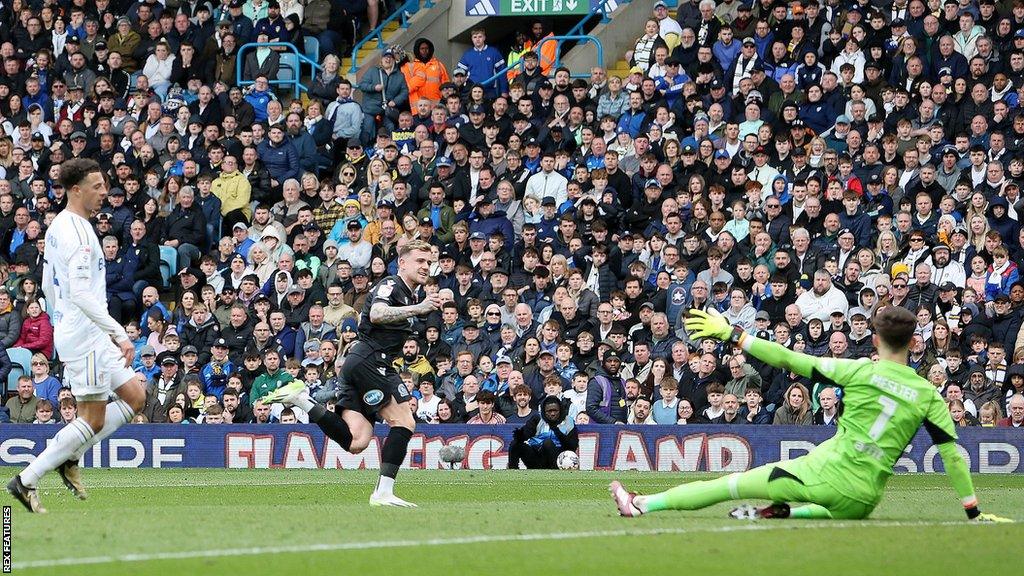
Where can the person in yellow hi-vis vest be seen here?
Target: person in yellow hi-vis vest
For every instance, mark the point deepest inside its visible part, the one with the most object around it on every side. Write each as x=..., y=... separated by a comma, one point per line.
x=515, y=56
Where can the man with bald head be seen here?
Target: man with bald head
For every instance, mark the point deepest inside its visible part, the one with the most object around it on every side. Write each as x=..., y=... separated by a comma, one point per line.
x=151, y=302
x=823, y=299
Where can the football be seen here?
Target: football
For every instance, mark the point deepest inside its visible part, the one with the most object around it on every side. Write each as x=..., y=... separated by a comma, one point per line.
x=568, y=460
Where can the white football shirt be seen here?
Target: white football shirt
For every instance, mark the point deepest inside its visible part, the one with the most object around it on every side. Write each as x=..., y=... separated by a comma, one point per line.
x=74, y=254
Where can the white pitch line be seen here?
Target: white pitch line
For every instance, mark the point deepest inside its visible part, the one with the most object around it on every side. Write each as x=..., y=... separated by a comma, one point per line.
x=408, y=480
x=377, y=544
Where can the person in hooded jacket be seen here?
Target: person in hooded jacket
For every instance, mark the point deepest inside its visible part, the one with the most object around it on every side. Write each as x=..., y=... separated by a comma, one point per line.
x=606, y=392
x=544, y=436
x=424, y=73
x=999, y=219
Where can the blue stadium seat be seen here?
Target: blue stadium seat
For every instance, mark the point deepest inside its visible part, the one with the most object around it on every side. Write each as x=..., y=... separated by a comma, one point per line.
x=21, y=365
x=289, y=68
x=311, y=48
x=168, y=264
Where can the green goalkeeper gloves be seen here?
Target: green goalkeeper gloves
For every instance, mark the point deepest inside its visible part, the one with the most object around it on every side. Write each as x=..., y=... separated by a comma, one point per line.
x=700, y=324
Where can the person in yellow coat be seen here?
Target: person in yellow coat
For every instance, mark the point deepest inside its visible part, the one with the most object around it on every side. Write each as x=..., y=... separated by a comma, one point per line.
x=235, y=194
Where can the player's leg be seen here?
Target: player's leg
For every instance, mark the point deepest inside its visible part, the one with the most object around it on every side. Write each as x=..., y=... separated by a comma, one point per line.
x=397, y=415
x=347, y=426
x=131, y=397
x=61, y=449
x=91, y=390
x=704, y=493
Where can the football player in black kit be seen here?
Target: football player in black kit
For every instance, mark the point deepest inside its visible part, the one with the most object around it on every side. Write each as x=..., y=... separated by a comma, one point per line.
x=370, y=384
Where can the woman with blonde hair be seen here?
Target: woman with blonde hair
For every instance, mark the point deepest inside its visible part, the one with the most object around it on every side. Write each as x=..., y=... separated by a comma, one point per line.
x=977, y=229
x=886, y=250
x=325, y=84
x=816, y=151
x=796, y=406
x=976, y=206
x=262, y=265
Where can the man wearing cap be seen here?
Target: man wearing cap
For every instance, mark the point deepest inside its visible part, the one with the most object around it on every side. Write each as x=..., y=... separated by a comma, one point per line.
x=357, y=251
x=163, y=389
x=215, y=373
x=944, y=269
x=385, y=93
x=485, y=221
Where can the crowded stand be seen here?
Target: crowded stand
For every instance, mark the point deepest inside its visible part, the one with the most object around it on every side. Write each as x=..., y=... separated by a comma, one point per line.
x=793, y=165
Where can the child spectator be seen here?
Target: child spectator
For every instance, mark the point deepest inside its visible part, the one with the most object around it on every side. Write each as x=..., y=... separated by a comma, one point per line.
x=577, y=394
x=44, y=412
x=665, y=409
x=715, y=392
x=68, y=410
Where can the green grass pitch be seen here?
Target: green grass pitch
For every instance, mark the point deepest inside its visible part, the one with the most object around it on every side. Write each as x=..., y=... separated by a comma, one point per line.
x=311, y=522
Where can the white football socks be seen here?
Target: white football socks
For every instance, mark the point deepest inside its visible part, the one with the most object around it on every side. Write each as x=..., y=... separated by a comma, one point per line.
x=385, y=486
x=65, y=443
x=118, y=414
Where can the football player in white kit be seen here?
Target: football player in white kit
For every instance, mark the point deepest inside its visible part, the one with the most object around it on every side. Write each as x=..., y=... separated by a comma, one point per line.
x=95, y=349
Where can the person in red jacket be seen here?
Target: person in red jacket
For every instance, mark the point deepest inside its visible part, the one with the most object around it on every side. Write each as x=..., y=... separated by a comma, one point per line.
x=36, y=331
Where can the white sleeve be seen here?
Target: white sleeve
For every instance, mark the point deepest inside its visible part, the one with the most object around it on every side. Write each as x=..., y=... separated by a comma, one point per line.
x=80, y=277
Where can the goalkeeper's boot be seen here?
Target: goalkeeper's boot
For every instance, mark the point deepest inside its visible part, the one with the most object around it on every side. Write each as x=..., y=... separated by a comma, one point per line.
x=71, y=475
x=389, y=500
x=286, y=394
x=624, y=500
x=29, y=497
x=750, y=512
x=985, y=518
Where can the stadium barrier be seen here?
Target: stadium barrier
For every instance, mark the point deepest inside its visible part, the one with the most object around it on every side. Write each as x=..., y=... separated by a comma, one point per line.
x=602, y=447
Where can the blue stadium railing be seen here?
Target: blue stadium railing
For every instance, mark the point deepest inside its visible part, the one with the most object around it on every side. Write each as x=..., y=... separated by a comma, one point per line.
x=403, y=13
x=291, y=62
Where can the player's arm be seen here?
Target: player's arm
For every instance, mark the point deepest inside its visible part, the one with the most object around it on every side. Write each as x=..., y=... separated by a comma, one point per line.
x=701, y=324
x=80, y=279
x=943, y=433
x=382, y=312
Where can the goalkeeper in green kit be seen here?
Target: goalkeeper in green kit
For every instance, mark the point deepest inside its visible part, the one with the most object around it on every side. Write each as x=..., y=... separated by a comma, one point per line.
x=886, y=403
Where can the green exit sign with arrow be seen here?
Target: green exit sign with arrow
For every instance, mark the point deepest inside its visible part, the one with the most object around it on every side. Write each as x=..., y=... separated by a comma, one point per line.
x=530, y=7
x=544, y=7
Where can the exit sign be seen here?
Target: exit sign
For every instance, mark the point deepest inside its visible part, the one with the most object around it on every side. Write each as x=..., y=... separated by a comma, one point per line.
x=529, y=7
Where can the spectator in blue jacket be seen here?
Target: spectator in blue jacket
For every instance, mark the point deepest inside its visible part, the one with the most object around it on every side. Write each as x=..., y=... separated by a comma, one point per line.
x=120, y=277
x=259, y=96
x=303, y=142
x=279, y=156
x=487, y=221
x=482, y=62
x=632, y=119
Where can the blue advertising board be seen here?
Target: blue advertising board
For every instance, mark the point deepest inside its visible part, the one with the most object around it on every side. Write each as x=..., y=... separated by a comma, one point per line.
x=602, y=447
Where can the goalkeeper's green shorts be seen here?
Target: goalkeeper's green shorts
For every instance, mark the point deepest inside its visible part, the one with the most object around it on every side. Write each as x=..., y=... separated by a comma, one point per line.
x=794, y=481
